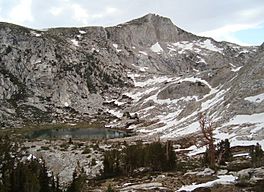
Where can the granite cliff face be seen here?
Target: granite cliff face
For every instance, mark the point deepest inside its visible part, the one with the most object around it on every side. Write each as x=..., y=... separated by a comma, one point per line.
x=146, y=66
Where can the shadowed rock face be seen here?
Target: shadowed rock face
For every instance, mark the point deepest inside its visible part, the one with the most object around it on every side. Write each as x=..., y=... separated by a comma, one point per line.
x=147, y=66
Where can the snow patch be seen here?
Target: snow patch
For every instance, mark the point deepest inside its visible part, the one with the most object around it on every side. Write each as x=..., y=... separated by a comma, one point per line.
x=207, y=44
x=75, y=42
x=223, y=179
x=148, y=82
x=241, y=155
x=35, y=33
x=195, y=46
x=96, y=50
x=236, y=69
x=66, y=104
x=143, y=53
x=31, y=157
x=116, y=47
x=256, y=99
x=197, y=150
x=200, y=60
x=215, y=100
x=82, y=32
x=241, y=119
x=156, y=48
x=115, y=113
x=38, y=61
x=183, y=45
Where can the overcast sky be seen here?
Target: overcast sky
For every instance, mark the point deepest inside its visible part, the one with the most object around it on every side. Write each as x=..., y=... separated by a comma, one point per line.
x=239, y=21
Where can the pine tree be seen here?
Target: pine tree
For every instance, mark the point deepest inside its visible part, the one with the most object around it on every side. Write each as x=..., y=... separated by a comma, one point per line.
x=256, y=154
x=79, y=180
x=223, y=152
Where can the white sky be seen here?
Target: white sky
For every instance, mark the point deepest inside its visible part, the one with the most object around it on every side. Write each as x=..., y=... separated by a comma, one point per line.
x=239, y=21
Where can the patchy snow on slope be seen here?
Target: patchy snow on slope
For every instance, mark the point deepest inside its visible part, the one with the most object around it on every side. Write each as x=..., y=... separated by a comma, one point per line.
x=236, y=69
x=171, y=49
x=143, y=186
x=156, y=48
x=201, y=60
x=222, y=179
x=256, y=98
x=207, y=44
x=35, y=33
x=82, y=32
x=116, y=47
x=191, y=128
x=241, y=119
x=96, y=50
x=140, y=68
x=75, y=42
x=241, y=155
x=171, y=122
x=143, y=53
x=196, y=150
x=219, y=97
x=195, y=46
x=66, y=104
x=115, y=113
x=174, y=101
x=151, y=81
x=30, y=157
x=193, y=150
x=183, y=45
x=245, y=130
x=137, y=95
x=116, y=102
x=143, y=69
x=232, y=65
x=37, y=61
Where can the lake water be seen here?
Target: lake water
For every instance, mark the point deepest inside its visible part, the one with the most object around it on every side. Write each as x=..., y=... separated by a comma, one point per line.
x=76, y=133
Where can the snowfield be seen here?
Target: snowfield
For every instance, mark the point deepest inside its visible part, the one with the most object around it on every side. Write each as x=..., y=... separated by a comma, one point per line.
x=167, y=111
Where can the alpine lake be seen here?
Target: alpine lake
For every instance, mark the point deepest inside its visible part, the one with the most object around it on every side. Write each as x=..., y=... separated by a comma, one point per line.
x=76, y=133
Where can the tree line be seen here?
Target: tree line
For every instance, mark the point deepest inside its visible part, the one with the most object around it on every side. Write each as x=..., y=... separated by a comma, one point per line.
x=154, y=156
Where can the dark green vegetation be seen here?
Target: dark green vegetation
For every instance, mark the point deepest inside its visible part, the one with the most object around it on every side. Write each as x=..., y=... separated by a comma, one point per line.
x=153, y=157
x=17, y=173
x=222, y=153
x=79, y=179
x=257, y=156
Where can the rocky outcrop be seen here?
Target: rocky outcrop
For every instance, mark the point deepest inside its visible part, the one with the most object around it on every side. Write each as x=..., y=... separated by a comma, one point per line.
x=45, y=76
x=146, y=31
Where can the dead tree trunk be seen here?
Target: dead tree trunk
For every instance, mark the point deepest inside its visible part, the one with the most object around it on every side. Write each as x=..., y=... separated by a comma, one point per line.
x=207, y=130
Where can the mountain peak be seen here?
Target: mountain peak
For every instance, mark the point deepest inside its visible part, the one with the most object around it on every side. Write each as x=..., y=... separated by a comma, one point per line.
x=147, y=30
x=152, y=18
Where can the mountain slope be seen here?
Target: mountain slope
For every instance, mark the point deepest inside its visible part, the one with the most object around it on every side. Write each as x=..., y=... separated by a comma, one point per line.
x=146, y=66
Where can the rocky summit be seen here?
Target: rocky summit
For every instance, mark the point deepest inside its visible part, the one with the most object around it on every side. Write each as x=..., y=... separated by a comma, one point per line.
x=150, y=75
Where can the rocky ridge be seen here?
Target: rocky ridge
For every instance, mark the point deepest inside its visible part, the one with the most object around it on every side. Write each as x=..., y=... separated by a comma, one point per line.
x=146, y=66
